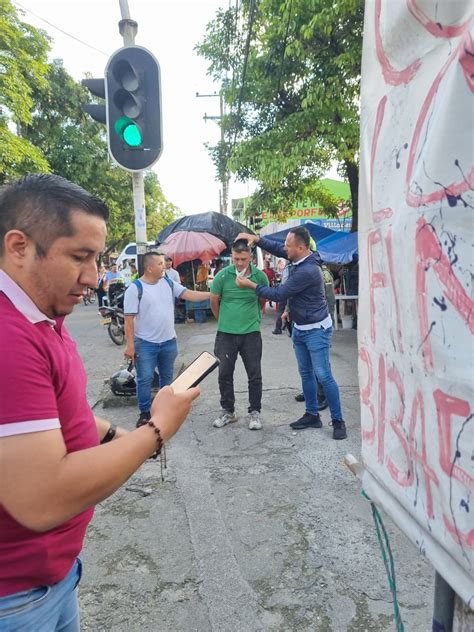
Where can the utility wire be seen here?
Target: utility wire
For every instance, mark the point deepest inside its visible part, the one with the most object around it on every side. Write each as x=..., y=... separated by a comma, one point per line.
x=59, y=29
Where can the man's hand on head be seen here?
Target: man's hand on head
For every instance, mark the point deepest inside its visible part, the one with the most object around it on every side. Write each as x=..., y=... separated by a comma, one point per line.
x=251, y=239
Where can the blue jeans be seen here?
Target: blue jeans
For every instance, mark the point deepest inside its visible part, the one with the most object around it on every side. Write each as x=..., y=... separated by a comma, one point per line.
x=44, y=609
x=151, y=355
x=312, y=354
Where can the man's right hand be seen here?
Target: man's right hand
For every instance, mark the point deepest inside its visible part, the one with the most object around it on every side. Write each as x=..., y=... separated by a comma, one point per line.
x=129, y=352
x=285, y=316
x=169, y=410
x=251, y=239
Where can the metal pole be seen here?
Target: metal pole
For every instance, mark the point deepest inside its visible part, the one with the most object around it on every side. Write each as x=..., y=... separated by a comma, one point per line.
x=225, y=181
x=128, y=30
x=140, y=218
x=443, y=610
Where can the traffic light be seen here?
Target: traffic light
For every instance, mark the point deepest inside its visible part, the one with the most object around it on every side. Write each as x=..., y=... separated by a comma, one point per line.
x=133, y=102
x=96, y=110
x=257, y=222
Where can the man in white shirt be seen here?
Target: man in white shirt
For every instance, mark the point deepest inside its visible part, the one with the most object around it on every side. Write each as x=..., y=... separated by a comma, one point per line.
x=149, y=327
x=170, y=271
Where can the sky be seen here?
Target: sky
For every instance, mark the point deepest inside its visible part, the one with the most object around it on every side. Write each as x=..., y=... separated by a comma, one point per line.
x=169, y=29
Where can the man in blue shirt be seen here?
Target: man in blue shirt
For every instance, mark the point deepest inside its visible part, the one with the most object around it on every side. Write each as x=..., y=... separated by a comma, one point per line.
x=312, y=324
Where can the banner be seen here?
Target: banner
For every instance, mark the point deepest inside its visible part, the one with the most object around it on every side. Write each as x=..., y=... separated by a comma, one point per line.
x=416, y=315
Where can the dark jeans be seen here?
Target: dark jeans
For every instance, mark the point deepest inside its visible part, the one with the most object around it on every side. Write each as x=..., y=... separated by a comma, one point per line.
x=281, y=309
x=226, y=348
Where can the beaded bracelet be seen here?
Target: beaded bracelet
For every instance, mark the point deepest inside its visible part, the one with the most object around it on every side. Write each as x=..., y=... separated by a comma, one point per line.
x=160, y=447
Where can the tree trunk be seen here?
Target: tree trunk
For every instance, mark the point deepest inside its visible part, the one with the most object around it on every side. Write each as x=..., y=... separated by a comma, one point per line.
x=352, y=172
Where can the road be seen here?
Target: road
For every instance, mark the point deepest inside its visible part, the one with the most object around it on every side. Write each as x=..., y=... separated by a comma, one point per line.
x=262, y=530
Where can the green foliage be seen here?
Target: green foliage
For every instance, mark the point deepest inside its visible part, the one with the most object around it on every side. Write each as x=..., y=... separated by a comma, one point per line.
x=23, y=69
x=296, y=109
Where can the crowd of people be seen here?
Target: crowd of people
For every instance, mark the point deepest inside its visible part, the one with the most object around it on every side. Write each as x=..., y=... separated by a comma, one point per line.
x=51, y=235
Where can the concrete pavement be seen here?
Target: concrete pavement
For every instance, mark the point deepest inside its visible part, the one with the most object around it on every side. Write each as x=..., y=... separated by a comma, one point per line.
x=251, y=530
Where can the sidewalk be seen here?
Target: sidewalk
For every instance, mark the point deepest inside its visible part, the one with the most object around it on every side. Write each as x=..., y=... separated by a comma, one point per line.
x=251, y=530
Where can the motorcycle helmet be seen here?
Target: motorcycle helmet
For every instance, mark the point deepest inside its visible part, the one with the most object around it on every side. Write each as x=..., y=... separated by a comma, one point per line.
x=123, y=383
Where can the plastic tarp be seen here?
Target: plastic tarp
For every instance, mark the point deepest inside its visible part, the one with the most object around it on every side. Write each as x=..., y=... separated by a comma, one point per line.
x=316, y=231
x=340, y=248
x=416, y=309
x=217, y=224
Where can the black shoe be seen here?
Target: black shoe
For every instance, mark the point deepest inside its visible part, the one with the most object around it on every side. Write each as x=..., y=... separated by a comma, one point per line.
x=276, y=332
x=339, y=430
x=299, y=397
x=307, y=421
x=323, y=404
x=143, y=419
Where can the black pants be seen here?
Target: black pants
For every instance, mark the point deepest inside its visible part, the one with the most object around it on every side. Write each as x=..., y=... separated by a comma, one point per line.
x=226, y=348
x=279, y=323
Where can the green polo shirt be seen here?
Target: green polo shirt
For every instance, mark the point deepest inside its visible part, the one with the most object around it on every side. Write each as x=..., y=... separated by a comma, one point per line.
x=239, y=309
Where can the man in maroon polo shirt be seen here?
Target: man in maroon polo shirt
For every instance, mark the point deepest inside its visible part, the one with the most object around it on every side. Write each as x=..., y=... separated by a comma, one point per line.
x=54, y=466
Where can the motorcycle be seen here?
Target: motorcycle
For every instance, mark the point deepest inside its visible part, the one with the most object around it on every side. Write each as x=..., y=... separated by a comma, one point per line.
x=89, y=296
x=113, y=318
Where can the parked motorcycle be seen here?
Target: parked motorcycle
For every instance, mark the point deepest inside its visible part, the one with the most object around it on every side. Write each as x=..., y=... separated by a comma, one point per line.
x=113, y=318
x=89, y=296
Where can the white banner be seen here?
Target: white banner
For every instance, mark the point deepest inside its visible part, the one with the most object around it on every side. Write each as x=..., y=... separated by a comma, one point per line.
x=416, y=316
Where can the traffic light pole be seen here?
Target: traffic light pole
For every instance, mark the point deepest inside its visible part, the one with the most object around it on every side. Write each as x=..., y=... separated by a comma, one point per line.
x=128, y=30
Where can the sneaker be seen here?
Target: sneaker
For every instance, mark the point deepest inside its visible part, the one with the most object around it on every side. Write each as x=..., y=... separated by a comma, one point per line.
x=225, y=418
x=307, y=421
x=255, y=420
x=277, y=332
x=299, y=397
x=339, y=430
x=143, y=419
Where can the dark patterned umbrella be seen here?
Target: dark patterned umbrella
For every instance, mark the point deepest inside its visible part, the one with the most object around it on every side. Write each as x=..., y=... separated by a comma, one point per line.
x=217, y=224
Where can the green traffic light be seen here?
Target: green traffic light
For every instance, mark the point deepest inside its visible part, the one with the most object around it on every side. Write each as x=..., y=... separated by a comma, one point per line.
x=128, y=131
x=132, y=135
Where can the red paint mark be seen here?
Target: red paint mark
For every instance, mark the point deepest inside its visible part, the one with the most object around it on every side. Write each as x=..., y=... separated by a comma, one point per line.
x=368, y=435
x=388, y=244
x=447, y=407
x=420, y=456
x=430, y=255
x=376, y=279
x=466, y=59
x=375, y=139
x=455, y=188
x=381, y=412
x=384, y=213
x=404, y=479
x=435, y=28
x=465, y=539
x=391, y=75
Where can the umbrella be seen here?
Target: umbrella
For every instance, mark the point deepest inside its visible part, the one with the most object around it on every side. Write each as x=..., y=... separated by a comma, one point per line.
x=184, y=246
x=217, y=224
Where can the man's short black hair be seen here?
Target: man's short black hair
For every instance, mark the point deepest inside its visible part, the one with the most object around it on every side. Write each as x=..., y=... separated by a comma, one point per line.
x=241, y=245
x=149, y=255
x=301, y=234
x=40, y=205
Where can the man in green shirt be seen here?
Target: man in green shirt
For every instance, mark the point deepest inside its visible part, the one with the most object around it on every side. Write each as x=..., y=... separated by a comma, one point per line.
x=238, y=314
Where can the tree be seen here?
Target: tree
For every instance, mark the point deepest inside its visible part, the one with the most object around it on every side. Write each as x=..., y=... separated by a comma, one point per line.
x=76, y=148
x=290, y=73
x=23, y=69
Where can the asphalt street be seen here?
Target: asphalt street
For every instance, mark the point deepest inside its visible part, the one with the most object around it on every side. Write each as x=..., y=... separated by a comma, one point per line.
x=251, y=530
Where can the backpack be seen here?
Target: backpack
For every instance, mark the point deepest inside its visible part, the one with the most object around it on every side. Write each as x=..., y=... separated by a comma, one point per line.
x=139, y=285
